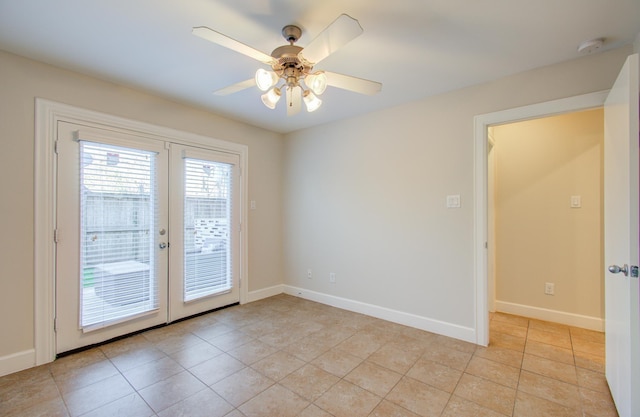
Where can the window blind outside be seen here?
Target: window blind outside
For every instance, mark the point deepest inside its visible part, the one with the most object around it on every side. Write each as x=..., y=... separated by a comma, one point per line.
x=207, y=218
x=118, y=209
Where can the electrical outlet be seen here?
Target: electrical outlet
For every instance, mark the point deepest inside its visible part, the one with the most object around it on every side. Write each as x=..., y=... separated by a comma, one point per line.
x=332, y=277
x=549, y=288
x=309, y=273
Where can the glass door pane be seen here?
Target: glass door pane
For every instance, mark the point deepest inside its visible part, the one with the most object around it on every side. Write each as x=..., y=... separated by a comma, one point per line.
x=207, y=216
x=118, y=207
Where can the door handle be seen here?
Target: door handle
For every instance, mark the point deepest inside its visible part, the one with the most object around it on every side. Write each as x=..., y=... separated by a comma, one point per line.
x=615, y=269
x=625, y=269
x=163, y=245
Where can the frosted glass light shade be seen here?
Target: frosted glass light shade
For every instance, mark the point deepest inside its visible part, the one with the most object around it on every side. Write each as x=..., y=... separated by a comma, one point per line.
x=317, y=82
x=271, y=98
x=265, y=79
x=311, y=101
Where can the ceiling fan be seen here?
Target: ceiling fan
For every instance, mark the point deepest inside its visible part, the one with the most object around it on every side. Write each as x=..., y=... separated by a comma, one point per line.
x=292, y=65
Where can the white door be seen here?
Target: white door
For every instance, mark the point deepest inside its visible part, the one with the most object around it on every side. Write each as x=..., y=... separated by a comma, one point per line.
x=118, y=197
x=111, y=270
x=206, y=231
x=621, y=182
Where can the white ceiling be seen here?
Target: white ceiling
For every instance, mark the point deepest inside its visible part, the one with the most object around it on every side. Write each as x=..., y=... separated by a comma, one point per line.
x=415, y=48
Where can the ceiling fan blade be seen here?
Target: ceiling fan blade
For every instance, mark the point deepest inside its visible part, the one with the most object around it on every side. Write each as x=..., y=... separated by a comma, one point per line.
x=234, y=88
x=223, y=40
x=357, y=85
x=294, y=100
x=344, y=29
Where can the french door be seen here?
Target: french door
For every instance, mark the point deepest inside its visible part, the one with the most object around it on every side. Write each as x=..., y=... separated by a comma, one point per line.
x=205, y=213
x=147, y=232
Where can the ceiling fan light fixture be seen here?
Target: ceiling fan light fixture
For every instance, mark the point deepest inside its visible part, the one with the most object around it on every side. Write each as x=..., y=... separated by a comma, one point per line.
x=317, y=82
x=293, y=65
x=265, y=79
x=271, y=98
x=312, y=102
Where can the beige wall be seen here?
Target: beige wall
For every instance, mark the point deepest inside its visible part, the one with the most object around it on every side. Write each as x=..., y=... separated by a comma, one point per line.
x=365, y=198
x=540, y=164
x=21, y=81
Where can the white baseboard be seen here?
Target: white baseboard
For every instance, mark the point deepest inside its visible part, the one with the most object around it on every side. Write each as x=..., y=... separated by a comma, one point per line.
x=26, y=359
x=17, y=362
x=264, y=293
x=423, y=323
x=570, y=319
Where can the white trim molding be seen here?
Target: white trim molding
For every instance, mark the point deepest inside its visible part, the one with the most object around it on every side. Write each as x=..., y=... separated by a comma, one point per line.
x=265, y=293
x=481, y=125
x=17, y=362
x=562, y=317
x=407, y=319
x=423, y=323
x=48, y=114
x=44, y=225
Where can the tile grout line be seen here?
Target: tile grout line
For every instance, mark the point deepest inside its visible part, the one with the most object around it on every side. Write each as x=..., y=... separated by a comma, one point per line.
x=573, y=355
x=524, y=349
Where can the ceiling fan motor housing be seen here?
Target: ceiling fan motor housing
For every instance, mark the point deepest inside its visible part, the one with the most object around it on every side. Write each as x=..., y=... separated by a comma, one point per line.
x=288, y=64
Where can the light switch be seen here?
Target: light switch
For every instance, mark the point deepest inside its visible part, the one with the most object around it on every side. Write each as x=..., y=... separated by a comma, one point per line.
x=576, y=201
x=453, y=201
x=252, y=205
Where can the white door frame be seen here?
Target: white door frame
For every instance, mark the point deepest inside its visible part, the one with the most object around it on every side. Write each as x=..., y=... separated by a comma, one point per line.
x=48, y=114
x=481, y=125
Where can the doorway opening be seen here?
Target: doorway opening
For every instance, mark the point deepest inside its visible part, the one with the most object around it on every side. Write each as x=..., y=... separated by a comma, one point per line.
x=545, y=237
x=545, y=183
x=483, y=125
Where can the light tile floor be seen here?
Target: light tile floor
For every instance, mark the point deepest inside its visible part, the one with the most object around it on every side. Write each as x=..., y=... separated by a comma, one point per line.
x=285, y=356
